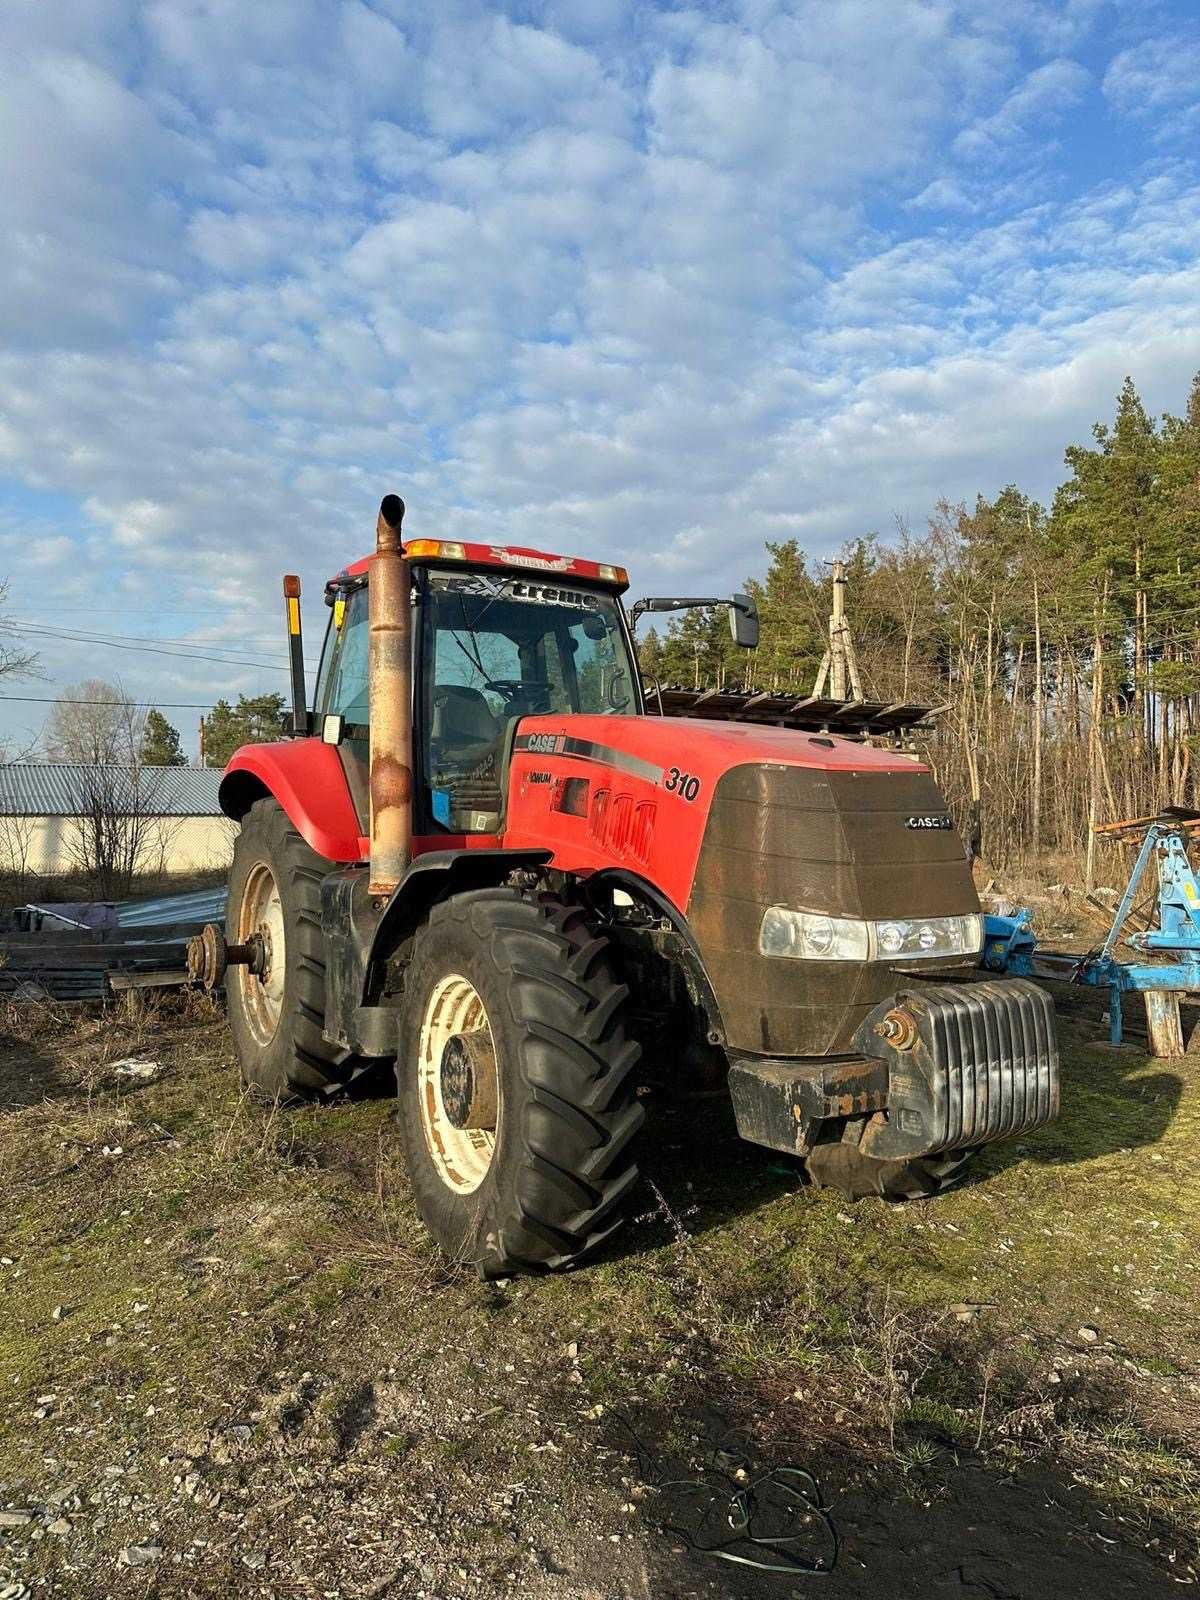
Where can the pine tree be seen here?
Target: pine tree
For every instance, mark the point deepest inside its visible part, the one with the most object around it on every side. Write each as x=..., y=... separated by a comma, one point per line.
x=160, y=743
x=257, y=719
x=650, y=655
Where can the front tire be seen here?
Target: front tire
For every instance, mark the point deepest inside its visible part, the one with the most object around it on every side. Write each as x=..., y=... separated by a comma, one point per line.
x=524, y=983
x=277, y=1017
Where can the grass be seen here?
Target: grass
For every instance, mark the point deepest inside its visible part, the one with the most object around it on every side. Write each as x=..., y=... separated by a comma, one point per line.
x=183, y=1263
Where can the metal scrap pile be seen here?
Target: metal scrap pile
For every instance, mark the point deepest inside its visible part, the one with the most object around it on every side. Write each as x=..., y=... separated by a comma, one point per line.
x=94, y=950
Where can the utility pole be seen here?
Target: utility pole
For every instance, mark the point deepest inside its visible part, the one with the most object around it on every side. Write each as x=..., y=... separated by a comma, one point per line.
x=839, y=663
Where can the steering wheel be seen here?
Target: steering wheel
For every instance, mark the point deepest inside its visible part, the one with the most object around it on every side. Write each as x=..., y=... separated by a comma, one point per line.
x=518, y=688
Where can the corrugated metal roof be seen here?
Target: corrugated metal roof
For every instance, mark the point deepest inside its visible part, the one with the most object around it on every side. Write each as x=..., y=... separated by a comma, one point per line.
x=201, y=906
x=62, y=789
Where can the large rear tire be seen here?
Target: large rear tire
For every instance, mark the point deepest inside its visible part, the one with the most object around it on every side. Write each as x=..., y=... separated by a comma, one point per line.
x=276, y=1017
x=517, y=987
x=840, y=1164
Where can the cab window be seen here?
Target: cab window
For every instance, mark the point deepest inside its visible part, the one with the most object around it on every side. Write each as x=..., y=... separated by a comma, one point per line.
x=496, y=649
x=342, y=684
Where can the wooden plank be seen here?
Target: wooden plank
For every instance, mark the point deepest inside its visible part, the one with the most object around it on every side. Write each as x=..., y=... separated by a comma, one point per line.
x=1162, y=1023
x=151, y=978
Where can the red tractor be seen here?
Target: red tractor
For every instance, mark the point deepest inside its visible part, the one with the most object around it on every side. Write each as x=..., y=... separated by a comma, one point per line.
x=483, y=859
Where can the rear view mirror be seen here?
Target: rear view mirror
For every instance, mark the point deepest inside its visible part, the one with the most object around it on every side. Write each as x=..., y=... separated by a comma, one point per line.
x=743, y=613
x=743, y=621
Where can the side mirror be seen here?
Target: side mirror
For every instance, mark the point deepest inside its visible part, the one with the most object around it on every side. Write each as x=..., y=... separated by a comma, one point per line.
x=743, y=621
x=333, y=728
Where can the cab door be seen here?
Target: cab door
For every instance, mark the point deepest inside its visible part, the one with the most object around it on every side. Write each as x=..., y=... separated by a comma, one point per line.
x=342, y=691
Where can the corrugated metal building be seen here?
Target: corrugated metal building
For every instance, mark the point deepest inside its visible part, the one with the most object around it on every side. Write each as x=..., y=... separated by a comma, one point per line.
x=41, y=803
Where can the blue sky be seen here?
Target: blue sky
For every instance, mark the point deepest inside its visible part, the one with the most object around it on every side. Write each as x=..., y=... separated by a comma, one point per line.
x=653, y=284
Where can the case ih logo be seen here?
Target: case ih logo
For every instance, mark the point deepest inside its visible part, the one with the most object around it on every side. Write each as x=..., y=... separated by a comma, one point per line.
x=516, y=558
x=938, y=821
x=542, y=744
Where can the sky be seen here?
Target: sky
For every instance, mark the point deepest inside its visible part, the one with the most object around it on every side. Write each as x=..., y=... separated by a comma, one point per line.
x=653, y=284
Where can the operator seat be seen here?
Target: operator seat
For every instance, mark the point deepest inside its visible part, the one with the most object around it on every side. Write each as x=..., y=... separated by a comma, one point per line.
x=465, y=746
x=463, y=723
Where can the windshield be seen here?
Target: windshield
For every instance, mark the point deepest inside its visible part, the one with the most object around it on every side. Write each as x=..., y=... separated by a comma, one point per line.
x=501, y=648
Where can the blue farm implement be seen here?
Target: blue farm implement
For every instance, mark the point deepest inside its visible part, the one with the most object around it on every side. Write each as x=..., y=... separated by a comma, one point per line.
x=1162, y=932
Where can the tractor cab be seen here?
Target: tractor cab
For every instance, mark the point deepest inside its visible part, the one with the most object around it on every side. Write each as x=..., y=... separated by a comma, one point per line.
x=498, y=634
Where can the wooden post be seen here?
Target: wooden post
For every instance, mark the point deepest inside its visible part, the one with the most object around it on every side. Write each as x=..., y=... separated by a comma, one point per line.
x=1162, y=1022
x=1038, y=718
x=839, y=664
x=837, y=621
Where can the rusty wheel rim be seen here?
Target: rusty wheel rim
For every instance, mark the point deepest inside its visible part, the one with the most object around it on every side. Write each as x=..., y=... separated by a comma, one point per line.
x=462, y=1156
x=261, y=913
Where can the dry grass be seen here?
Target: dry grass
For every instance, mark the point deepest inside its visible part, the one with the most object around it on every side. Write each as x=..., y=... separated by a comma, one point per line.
x=217, y=1265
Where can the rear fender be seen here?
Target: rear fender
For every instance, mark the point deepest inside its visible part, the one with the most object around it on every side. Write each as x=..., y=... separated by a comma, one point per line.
x=307, y=778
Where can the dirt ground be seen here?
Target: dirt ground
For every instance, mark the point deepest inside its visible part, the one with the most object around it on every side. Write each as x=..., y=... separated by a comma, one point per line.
x=231, y=1363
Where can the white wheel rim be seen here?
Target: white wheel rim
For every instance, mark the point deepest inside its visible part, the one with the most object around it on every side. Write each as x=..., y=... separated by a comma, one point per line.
x=261, y=913
x=462, y=1156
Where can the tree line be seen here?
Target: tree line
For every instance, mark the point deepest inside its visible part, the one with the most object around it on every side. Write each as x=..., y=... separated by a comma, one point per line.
x=1062, y=643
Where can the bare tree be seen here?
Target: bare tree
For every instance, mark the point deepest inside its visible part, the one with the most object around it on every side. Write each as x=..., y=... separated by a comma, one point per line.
x=14, y=663
x=117, y=828
x=96, y=724
x=17, y=837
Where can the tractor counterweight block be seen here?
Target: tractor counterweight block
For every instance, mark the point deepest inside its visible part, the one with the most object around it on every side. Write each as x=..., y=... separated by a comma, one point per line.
x=980, y=1062
x=943, y=1067
x=781, y=1103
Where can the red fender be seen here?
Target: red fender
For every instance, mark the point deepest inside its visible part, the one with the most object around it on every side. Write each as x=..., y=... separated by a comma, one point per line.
x=306, y=777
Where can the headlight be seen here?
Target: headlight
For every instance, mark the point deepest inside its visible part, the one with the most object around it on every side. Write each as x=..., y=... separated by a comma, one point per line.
x=809, y=936
x=897, y=940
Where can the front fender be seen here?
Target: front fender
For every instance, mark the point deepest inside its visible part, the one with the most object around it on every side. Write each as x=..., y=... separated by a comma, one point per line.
x=306, y=777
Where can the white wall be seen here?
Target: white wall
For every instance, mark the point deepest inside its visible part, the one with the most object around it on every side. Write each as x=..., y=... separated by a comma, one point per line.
x=43, y=846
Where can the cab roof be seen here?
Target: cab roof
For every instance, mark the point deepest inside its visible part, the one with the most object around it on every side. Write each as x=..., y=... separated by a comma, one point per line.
x=511, y=558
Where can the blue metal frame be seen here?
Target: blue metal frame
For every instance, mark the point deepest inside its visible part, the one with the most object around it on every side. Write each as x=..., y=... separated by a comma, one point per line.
x=1010, y=946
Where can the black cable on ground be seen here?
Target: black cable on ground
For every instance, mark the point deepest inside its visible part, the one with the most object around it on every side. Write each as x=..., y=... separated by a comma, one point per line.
x=755, y=1520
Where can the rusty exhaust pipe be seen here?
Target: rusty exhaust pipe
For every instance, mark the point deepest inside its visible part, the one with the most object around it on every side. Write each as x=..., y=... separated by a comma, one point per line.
x=389, y=679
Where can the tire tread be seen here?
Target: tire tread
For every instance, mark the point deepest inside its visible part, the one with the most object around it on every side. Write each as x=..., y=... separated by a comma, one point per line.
x=578, y=1116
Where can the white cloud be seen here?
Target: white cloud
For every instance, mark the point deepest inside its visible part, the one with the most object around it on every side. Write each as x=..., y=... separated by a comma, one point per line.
x=1043, y=99
x=1158, y=81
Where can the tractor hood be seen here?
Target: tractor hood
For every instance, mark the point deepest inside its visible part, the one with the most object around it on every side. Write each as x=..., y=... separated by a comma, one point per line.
x=874, y=846
x=724, y=820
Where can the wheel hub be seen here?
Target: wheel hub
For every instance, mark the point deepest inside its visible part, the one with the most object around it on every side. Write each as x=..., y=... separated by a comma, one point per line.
x=457, y=1084
x=260, y=952
x=468, y=1074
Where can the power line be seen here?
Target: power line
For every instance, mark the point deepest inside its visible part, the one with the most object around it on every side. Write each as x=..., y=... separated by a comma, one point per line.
x=129, y=641
x=147, y=649
x=158, y=705
x=56, y=625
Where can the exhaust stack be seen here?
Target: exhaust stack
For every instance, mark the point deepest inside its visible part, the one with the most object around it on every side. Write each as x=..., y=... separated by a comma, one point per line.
x=389, y=678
